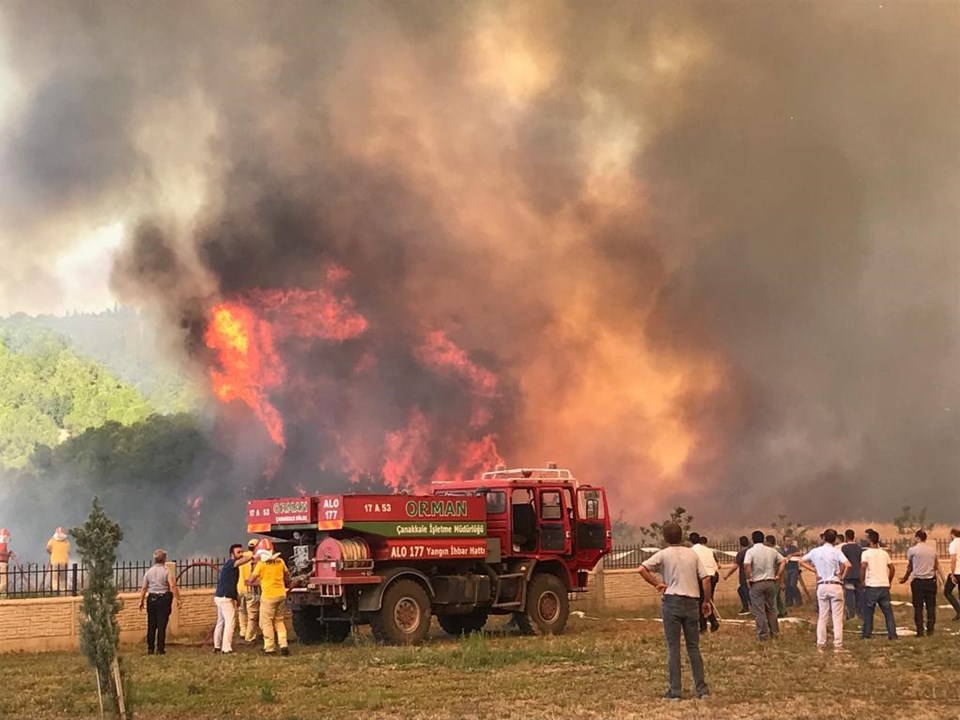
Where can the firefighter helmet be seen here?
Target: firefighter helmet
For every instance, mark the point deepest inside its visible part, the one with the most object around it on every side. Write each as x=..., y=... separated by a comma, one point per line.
x=264, y=549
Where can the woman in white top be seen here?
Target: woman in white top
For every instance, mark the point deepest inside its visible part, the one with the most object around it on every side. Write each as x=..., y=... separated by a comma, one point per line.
x=159, y=589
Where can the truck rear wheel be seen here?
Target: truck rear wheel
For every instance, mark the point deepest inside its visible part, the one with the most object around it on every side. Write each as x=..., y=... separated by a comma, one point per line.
x=404, y=615
x=311, y=629
x=548, y=607
x=463, y=624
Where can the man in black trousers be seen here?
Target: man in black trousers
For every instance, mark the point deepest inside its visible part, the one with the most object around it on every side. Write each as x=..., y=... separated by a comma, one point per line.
x=924, y=568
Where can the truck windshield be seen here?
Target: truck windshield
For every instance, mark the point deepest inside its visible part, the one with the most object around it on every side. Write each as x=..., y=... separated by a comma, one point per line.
x=496, y=502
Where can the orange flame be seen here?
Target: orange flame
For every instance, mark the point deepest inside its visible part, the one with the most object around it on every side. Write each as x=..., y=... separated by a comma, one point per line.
x=193, y=510
x=407, y=456
x=441, y=355
x=249, y=364
x=311, y=313
x=244, y=334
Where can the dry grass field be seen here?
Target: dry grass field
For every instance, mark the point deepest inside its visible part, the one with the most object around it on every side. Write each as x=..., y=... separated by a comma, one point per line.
x=605, y=666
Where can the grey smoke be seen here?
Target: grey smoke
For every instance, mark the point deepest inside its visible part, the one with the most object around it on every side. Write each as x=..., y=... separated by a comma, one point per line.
x=798, y=223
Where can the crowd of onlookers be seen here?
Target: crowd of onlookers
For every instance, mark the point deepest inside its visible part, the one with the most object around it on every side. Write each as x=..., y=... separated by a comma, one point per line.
x=852, y=579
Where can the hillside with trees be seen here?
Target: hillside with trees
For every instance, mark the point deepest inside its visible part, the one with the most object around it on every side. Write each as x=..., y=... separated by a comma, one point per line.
x=155, y=476
x=125, y=342
x=48, y=394
x=89, y=406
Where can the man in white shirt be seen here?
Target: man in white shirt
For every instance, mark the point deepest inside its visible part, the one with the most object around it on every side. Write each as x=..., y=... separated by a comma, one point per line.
x=953, y=578
x=830, y=566
x=876, y=571
x=683, y=579
x=698, y=544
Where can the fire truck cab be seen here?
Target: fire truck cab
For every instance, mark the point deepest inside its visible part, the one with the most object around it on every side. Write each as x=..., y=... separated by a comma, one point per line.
x=542, y=515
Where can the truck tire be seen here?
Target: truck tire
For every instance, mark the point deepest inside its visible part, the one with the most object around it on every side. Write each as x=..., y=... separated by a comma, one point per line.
x=548, y=607
x=312, y=630
x=404, y=615
x=463, y=624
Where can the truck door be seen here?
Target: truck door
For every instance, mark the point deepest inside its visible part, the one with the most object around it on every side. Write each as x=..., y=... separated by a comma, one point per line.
x=554, y=522
x=592, y=533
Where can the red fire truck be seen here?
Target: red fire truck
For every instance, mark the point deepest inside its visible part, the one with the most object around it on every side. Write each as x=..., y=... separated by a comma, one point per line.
x=510, y=542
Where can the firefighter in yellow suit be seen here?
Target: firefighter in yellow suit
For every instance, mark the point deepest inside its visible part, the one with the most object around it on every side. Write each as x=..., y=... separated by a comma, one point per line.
x=272, y=575
x=58, y=547
x=248, y=606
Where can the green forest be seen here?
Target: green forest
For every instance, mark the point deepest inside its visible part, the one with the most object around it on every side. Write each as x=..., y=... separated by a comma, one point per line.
x=89, y=407
x=61, y=376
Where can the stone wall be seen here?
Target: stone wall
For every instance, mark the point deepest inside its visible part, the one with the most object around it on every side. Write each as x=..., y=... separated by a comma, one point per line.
x=41, y=624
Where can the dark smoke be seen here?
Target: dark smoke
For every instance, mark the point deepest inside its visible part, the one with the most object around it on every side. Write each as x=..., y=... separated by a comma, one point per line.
x=710, y=249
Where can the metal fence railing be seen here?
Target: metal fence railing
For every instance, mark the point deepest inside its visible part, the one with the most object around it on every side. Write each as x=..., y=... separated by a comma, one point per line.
x=45, y=580
x=630, y=556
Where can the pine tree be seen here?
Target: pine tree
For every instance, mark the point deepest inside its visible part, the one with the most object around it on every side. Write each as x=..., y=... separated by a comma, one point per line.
x=97, y=540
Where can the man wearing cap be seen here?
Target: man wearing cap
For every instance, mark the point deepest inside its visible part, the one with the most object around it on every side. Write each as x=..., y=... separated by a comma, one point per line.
x=272, y=576
x=6, y=555
x=58, y=548
x=248, y=604
x=830, y=566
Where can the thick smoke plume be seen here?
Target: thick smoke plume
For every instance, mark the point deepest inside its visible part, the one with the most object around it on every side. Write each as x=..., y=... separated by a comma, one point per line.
x=701, y=253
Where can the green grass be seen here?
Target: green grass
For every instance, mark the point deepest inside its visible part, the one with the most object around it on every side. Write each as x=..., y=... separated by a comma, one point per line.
x=604, y=667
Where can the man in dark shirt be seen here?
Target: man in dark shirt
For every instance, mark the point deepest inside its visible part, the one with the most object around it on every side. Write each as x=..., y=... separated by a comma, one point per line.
x=792, y=574
x=852, y=587
x=743, y=590
x=225, y=598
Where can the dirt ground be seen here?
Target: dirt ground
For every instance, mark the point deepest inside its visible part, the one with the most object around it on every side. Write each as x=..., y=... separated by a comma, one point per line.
x=605, y=666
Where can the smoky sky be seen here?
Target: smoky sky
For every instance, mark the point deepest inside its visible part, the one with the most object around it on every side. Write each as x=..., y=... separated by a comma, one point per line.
x=711, y=249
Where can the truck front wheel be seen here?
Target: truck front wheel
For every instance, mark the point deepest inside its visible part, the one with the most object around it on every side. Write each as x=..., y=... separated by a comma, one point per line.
x=311, y=629
x=548, y=606
x=463, y=624
x=404, y=615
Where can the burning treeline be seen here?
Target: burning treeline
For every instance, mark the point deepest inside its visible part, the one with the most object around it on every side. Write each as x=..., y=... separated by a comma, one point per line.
x=654, y=242
x=262, y=345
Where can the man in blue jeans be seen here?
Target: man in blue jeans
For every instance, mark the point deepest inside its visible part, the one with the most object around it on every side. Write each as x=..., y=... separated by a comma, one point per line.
x=852, y=583
x=683, y=576
x=877, y=571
